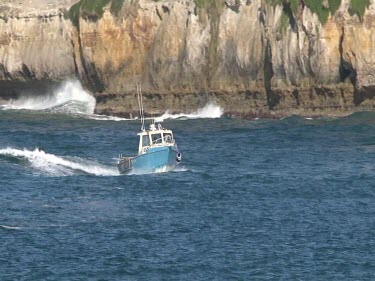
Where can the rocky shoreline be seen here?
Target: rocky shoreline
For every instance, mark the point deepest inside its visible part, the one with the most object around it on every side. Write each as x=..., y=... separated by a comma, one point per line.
x=245, y=104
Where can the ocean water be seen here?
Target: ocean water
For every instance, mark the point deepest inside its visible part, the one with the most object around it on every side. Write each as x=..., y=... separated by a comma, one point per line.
x=290, y=199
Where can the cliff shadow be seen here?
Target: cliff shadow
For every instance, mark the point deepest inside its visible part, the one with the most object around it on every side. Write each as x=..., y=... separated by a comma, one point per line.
x=12, y=90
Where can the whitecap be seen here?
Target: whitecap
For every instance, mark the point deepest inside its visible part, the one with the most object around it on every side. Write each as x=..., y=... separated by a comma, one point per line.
x=70, y=97
x=210, y=110
x=9, y=227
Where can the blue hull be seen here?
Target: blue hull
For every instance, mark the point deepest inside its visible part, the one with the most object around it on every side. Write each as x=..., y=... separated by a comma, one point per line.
x=156, y=159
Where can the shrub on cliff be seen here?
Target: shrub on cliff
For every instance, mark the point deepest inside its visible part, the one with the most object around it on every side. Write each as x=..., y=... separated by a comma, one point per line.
x=74, y=13
x=292, y=3
x=323, y=8
x=200, y=3
x=358, y=7
x=93, y=9
x=116, y=6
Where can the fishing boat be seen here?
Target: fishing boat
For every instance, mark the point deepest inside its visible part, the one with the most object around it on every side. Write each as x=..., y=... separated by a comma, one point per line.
x=157, y=150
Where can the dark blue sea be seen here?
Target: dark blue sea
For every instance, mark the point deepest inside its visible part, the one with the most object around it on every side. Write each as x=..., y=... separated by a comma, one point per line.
x=290, y=199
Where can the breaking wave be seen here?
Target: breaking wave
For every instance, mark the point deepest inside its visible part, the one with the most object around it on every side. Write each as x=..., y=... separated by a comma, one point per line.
x=108, y=118
x=70, y=97
x=52, y=165
x=10, y=227
x=210, y=110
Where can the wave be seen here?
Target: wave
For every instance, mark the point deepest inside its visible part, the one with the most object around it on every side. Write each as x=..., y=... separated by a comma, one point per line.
x=108, y=118
x=356, y=118
x=210, y=110
x=53, y=165
x=361, y=117
x=70, y=97
x=181, y=169
x=10, y=227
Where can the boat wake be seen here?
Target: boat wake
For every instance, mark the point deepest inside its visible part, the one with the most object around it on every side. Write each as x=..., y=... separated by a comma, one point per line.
x=9, y=227
x=181, y=169
x=60, y=166
x=210, y=110
x=52, y=165
x=69, y=98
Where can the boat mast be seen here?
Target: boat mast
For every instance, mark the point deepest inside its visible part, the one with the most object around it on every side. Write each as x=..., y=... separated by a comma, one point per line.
x=140, y=105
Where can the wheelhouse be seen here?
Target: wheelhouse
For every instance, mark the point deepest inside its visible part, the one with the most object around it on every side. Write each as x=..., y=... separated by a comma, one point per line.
x=155, y=137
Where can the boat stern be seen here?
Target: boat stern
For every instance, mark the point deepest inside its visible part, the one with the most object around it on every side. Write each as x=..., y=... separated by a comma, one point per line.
x=125, y=164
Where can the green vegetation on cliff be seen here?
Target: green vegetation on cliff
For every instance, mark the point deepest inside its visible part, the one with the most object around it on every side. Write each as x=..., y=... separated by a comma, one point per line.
x=322, y=8
x=318, y=7
x=293, y=4
x=74, y=13
x=200, y=3
x=358, y=7
x=116, y=6
x=93, y=9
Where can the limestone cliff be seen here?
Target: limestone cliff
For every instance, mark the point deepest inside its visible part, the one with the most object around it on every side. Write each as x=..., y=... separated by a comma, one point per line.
x=249, y=56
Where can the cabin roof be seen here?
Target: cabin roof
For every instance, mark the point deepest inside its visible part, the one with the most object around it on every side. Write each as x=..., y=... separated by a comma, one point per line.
x=157, y=131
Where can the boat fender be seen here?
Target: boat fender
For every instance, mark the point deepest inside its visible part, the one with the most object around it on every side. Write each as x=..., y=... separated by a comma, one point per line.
x=178, y=157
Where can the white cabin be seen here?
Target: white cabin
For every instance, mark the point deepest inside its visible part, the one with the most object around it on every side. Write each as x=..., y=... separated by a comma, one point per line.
x=154, y=137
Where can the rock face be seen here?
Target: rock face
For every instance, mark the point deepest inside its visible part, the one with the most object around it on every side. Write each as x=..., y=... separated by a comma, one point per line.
x=35, y=45
x=250, y=57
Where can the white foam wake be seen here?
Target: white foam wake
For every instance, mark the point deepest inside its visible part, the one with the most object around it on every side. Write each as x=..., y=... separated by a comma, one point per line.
x=9, y=227
x=70, y=97
x=210, y=110
x=53, y=165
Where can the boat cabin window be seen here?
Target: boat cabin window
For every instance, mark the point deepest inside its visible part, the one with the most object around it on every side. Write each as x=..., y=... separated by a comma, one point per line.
x=156, y=138
x=145, y=141
x=168, y=138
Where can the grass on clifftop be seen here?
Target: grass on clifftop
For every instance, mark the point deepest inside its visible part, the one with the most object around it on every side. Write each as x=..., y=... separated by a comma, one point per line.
x=317, y=7
x=116, y=6
x=93, y=9
x=200, y=3
x=321, y=8
x=358, y=7
x=74, y=13
x=293, y=4
x=94, y=6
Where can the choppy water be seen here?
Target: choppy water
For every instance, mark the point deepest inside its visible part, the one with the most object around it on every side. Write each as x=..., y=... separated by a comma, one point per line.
x=291, y=199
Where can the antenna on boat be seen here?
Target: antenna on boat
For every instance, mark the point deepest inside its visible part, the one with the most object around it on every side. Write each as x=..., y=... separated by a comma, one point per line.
x=140, y=105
